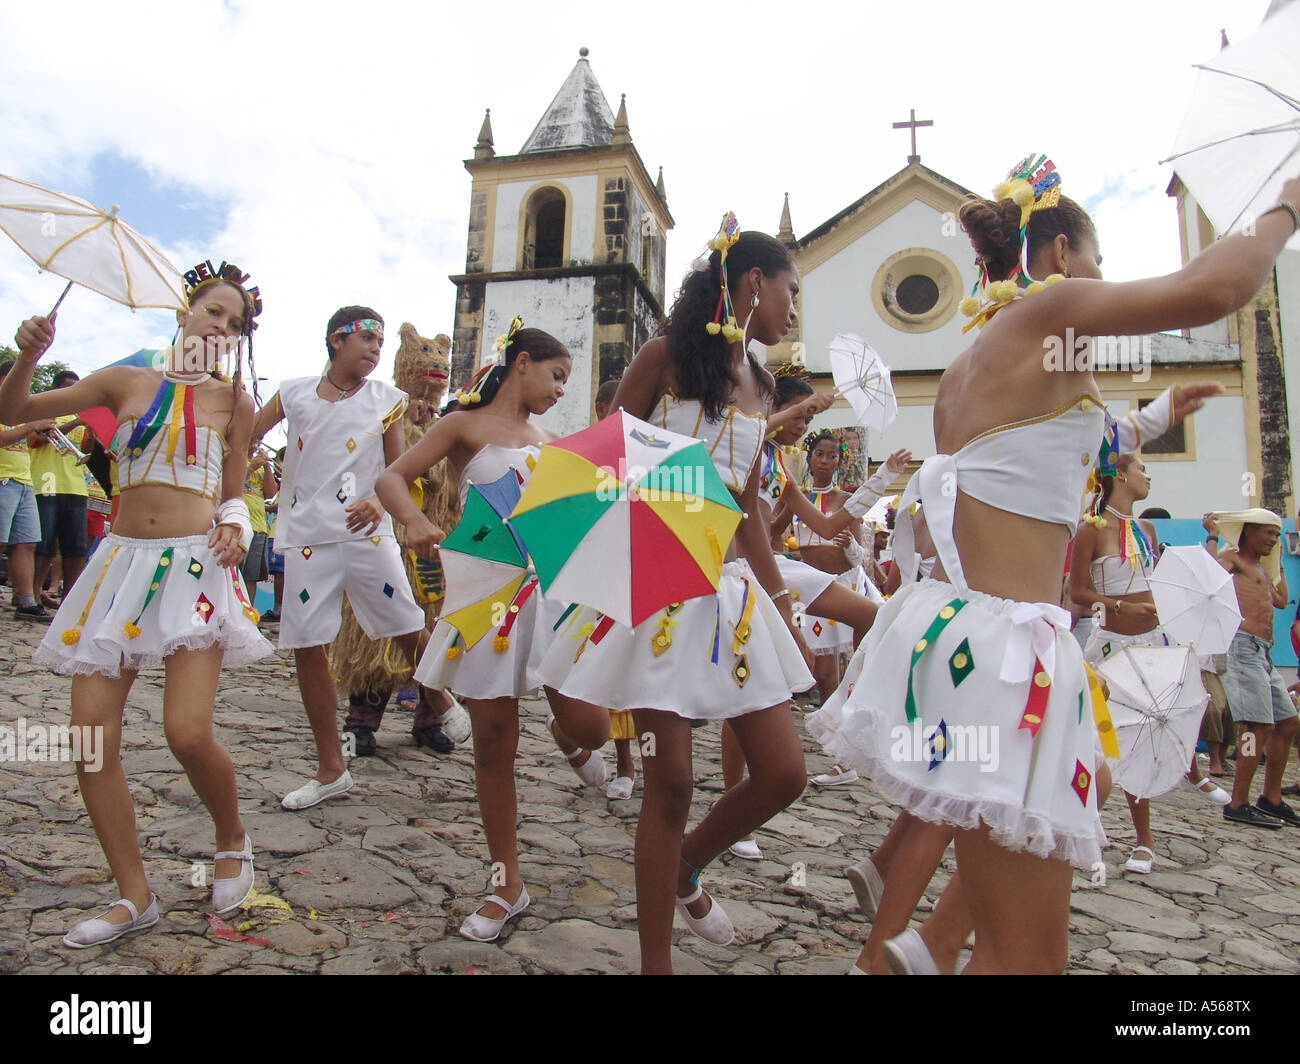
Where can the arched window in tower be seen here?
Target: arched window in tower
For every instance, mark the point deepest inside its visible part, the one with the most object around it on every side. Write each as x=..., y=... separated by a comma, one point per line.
x=544, y=230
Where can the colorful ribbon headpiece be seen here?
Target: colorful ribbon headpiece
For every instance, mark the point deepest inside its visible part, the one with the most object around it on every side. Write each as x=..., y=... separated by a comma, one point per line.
x=472, y=393
x=205, y=274
x=1107, y=465
x=361, y=325
x=1033, y=184
x=814, y=438
x=724, y=318
x=504, y=341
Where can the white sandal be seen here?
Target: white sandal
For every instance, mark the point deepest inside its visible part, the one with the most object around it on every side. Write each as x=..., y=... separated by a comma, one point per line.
x=1141, y=865
x=1216, y=794
x=480, y=928
x=593, y=772
x=714, y=926
x=907, y=954
x=99, y=932
x=867, y=885
x=230, y=894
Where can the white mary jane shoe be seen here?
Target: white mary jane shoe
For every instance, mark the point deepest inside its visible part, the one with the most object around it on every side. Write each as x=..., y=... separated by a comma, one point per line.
x=98, y=932
x=480, y=928
x=620, y=788
x=907, y=954
x=867, y=885
x=229, y=894
x=1216, y=794
x=714, y=926
x=746, y=850
x=455, y=722
x=313, y=792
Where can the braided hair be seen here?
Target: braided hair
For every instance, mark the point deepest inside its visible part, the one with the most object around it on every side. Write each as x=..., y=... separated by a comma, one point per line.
x=702, y=360
x=252, y=307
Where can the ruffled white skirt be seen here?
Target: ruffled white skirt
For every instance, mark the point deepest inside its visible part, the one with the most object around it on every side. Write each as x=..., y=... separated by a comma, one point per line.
x=492, y=668
x=140, y=600
x=709, y=658
x=978, y=749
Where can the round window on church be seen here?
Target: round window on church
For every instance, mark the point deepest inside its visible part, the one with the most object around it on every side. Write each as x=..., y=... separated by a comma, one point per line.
x=916, y=290
x=917, y=294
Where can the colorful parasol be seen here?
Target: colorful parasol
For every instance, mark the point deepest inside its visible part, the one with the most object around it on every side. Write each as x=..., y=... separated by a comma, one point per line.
x=485, y=564
x=862, y=377
x=1156, y=702
x=1196, y=600
x=626, y=518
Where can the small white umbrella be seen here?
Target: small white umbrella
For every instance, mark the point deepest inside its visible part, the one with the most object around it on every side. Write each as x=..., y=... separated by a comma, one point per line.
x=1195, y=600
x=1156, y=703
x=877, y=512
x=862, y=377
x=73, y=238
x=1240, y=137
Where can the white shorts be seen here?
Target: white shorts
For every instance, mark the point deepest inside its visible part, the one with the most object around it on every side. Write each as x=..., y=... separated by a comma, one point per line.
x=369, y=571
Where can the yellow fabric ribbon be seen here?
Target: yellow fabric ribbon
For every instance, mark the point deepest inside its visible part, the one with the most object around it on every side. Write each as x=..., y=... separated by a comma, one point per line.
x=1101, y=716
x=174, y=420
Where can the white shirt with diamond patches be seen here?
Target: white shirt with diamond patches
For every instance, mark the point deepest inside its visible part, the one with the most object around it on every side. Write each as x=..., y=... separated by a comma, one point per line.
x=334, y=455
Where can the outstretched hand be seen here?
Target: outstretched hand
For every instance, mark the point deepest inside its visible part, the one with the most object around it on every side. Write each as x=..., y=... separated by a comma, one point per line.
x=34, y=336
x=897, y=462
x=1187, y=399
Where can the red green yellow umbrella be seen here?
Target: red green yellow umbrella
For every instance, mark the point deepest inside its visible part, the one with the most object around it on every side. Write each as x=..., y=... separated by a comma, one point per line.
x=626, y=518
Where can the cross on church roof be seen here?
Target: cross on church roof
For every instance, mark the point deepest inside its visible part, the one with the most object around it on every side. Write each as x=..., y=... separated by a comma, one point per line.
x=912, y=123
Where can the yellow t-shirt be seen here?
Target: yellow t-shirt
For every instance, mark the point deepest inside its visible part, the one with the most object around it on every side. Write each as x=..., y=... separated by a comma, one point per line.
x=15, y=462
x=256, y=503
x=58, y=474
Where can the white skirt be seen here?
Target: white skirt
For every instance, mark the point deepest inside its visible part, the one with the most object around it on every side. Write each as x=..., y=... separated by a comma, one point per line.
x=140, y=600
x=823, y=635
x=490, y=669
x=979, y=748
x=1102, y=643
x=689, y=660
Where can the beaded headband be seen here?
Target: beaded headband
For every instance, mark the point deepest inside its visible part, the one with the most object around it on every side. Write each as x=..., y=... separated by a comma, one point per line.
x=204, y=274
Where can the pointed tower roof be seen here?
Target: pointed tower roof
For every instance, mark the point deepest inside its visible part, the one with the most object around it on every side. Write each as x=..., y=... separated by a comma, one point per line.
x=659, y=186
x=785, y=232
x=483, y=149
x=578, y=117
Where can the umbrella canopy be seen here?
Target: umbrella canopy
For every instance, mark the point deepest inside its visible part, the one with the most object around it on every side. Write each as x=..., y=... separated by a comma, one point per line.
x=70, y=237
x=1240, y=138
x=863, y=379
x=879, y=511
x=1195, y=600
x=626, y=518
x=484, y=561
x=1156, y=703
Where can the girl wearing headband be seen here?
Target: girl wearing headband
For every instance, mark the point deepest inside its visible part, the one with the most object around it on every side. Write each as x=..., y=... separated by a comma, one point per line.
x=163, y=587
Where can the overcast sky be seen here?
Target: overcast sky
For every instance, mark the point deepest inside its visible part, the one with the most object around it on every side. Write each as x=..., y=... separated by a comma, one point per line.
x=320, y=145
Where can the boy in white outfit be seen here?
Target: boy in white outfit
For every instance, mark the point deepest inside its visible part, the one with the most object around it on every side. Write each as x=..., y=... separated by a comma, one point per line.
x=336, y=538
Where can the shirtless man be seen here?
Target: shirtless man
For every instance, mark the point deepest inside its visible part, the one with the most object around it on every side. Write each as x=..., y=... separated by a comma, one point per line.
x=1265, y=716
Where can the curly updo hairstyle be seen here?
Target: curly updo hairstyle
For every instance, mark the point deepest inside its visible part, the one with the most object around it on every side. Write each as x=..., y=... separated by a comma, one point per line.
x=994, y=231
x=541, y=347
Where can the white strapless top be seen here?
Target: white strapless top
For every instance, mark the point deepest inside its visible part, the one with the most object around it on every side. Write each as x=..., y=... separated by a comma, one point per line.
x=734, y=440
x=1112, y=575
x=493, y=462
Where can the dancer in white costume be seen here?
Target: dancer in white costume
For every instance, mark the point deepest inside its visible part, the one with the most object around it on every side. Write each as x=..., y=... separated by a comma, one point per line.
x=735, y=655
x=484, y=434
x=1109, y=568
x=163, y=586
x=983, y=646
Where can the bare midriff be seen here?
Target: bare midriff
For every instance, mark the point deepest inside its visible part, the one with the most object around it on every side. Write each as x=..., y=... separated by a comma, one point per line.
x=1006, y=554
x=156, y=511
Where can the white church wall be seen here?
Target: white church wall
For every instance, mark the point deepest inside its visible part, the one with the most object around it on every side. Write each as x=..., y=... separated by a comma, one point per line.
x=581, y=220
x=1288, y=312
x=1214, y=480
x=562, y=308
x=837, y=294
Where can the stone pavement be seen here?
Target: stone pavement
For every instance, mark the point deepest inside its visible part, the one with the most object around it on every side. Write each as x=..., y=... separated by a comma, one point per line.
x=379, y=881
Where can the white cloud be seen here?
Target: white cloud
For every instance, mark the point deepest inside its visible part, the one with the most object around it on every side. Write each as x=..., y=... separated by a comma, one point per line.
x=336, y=131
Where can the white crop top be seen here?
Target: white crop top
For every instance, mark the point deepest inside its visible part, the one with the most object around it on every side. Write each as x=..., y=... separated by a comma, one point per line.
x=1037, y=468
x=203, y=477
x=1112, y=575
x=492, y=463
x=734, y=440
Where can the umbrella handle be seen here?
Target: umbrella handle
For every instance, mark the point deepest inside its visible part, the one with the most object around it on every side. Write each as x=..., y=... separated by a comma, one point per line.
x=55, y=309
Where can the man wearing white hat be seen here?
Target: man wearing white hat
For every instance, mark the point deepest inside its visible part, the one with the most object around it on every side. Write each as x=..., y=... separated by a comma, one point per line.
x=1247, y=546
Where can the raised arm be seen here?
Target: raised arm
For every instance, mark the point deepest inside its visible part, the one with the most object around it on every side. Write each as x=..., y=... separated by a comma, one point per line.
x=1220, y=280
x=271, y=414
x=17, y=403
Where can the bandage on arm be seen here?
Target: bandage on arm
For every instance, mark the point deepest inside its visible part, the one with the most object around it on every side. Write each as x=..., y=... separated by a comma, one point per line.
x=870, y=493
x=235, y=512
x=1152, y=421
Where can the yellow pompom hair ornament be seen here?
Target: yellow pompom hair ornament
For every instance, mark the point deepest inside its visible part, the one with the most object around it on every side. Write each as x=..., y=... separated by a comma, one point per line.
x=1032, y=185
x=453, y=653
x=724, y=318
